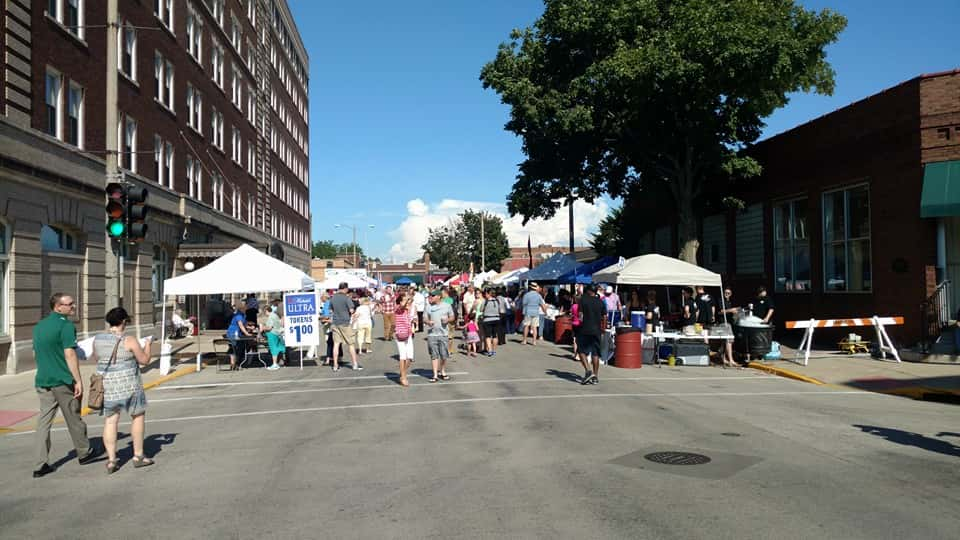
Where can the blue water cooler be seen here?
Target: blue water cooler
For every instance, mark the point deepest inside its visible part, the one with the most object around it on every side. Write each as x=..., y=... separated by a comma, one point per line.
x=638, y=319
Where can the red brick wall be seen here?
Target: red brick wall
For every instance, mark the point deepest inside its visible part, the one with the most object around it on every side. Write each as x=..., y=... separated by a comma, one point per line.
x=875, y=141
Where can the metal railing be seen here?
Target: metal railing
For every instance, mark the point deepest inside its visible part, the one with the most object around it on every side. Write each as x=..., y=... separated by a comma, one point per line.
x=935, y=315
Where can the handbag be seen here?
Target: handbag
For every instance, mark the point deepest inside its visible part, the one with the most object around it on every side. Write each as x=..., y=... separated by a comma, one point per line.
x=95, y=397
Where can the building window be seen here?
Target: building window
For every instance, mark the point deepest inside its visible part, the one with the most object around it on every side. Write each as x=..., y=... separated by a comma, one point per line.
x=73, y=17
x=251, y=209
x=163, y=70
x=158, y=159
x=58, y=240
x=195, y=178
x=194, y=33
x=216, y=184
x=251, y=158
x=168, y=163
x=237, y=149
x=163, y=9
x=236, y=33
x=846, y=240
x=216, y=6
x=216, y=61
x=251, y=106
x=791, y=246
x=194, y=108
x=216, y=124
x=128, y=143
x=75, y=115
x=127, y=37
x=252, y=12
x=237, y=87
x=54, y=95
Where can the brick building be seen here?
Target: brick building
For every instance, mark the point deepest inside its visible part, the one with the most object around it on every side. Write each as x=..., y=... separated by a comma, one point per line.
x=520, y=257
x=834, y=226
x=211, y=119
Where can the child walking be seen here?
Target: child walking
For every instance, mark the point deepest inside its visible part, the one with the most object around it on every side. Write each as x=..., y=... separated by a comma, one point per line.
x=473, y=335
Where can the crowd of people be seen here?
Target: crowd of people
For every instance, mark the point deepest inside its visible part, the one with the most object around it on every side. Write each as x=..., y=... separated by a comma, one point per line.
x=483, y=317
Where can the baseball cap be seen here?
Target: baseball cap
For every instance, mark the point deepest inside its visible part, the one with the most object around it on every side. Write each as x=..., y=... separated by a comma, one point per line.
x=435, y=292
x=609, y=289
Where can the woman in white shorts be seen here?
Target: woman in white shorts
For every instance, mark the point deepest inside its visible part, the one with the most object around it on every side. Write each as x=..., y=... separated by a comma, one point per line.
x=405, y=326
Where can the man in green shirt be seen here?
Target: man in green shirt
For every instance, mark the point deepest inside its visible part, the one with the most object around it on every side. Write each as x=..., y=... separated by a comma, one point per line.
x=58, y=381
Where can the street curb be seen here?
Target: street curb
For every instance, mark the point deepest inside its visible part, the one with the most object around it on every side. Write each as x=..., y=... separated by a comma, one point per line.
x=780, y=372
x=87, y=410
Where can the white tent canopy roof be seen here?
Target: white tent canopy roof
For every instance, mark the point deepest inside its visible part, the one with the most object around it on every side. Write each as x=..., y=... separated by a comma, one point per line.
x=657, y=270
x=243, y=270
x=352, y=281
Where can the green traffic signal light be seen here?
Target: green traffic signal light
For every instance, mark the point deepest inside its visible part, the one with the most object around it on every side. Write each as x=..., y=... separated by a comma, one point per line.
x=116, y=229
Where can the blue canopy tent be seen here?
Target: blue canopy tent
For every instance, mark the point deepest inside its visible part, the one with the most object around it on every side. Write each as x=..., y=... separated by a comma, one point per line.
x=583, y=274
x=404, y=280
x=551, y=269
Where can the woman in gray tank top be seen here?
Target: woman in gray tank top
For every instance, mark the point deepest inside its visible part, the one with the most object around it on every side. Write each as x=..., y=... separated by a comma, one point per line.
x=122, y=386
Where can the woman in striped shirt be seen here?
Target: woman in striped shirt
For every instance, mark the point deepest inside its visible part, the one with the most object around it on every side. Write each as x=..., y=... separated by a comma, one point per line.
x=405, y=325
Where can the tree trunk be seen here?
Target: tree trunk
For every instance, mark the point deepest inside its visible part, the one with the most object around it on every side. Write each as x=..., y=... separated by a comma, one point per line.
x=687, y=229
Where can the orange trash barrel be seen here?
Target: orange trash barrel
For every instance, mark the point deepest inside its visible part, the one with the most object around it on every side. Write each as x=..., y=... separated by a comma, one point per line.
x=629, y=348
x=563, y=330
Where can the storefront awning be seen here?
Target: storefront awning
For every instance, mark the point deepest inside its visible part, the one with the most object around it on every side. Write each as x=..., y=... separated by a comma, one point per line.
x=941, y=190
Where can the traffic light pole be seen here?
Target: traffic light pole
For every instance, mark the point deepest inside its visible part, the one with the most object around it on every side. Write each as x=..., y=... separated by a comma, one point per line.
x=114, y=284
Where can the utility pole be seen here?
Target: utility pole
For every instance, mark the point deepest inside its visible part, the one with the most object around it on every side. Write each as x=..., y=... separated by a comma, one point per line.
x=483, y=245
x=113, y=295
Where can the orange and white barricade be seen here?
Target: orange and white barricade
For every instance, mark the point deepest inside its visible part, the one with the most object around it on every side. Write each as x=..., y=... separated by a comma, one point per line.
x=878, y=323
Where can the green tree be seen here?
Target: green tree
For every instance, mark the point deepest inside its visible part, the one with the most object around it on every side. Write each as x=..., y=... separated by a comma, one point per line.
x=608, y=96
x=458, y=244
x=608, y=239
x=324, y=249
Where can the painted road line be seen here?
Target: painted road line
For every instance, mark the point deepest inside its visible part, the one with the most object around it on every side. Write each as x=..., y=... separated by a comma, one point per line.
x=489, y=399
x=426, y=385
x=201, y=386
x=310, y=380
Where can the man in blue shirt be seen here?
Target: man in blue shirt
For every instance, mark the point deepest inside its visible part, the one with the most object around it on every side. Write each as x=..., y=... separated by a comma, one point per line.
x=532, y=305
x=237, y=328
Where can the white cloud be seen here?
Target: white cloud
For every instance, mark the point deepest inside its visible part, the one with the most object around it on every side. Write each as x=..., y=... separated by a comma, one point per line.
x=413, y=231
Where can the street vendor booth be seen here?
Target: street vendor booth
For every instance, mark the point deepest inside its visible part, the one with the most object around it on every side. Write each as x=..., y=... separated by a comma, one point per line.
x=243, y=270
x=583, y=274
x=551, y=269
x=648, y=270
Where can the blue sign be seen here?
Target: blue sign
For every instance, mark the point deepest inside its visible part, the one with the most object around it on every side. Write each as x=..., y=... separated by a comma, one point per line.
x=301, y=327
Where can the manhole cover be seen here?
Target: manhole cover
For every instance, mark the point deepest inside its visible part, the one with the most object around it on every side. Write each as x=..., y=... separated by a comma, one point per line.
x=677, y=458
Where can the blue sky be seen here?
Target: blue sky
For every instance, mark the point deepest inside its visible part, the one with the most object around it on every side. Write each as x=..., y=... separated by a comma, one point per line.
x=403, y=136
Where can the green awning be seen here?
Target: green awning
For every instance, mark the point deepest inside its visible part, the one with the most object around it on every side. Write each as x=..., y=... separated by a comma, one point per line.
x=941, y=190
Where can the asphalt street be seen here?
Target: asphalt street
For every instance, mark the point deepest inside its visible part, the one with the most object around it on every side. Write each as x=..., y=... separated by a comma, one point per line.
x=511, y=447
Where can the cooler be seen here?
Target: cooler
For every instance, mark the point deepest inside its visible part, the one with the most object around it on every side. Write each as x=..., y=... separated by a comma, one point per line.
x=638, y=319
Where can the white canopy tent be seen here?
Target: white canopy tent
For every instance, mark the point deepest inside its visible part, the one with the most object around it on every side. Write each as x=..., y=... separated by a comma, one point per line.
x=353, y=282
x=243, y=270
x=657, y=270
x=510, y=276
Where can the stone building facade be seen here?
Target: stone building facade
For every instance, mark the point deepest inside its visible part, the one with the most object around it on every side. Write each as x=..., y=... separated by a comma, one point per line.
x=212, y=120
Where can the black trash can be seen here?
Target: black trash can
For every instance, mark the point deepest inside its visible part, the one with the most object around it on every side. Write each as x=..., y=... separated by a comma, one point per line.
x=753, y=341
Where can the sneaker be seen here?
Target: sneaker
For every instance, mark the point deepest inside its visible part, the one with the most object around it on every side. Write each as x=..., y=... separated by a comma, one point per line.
x=357, y=367
x=594, y=380
x=336, y=368
x=274, y=367
x=587, y=377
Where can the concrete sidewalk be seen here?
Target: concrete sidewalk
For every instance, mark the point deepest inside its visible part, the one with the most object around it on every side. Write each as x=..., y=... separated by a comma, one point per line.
x=18, y=399
x=928, y=381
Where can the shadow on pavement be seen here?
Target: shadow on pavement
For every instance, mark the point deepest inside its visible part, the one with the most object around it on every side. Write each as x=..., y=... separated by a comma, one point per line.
x=565, y=375
x=941, y=389
x=912, y=439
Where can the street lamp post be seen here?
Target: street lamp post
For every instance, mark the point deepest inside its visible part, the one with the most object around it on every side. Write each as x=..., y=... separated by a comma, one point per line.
x=354, y=229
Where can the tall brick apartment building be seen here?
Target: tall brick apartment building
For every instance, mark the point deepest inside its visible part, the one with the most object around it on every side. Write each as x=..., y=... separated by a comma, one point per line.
x=212, y=120
x=855, y=214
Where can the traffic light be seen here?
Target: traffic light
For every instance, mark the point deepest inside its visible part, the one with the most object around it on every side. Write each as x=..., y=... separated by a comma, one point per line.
x=136, y=213
x=126, y=212
x=116, y=210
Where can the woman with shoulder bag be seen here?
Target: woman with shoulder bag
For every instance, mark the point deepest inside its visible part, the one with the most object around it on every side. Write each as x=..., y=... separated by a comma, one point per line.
x=119, y=359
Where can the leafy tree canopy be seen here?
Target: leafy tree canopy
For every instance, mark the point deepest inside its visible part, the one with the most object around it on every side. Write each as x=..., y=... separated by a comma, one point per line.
x=608, y=95
x=458, y=243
